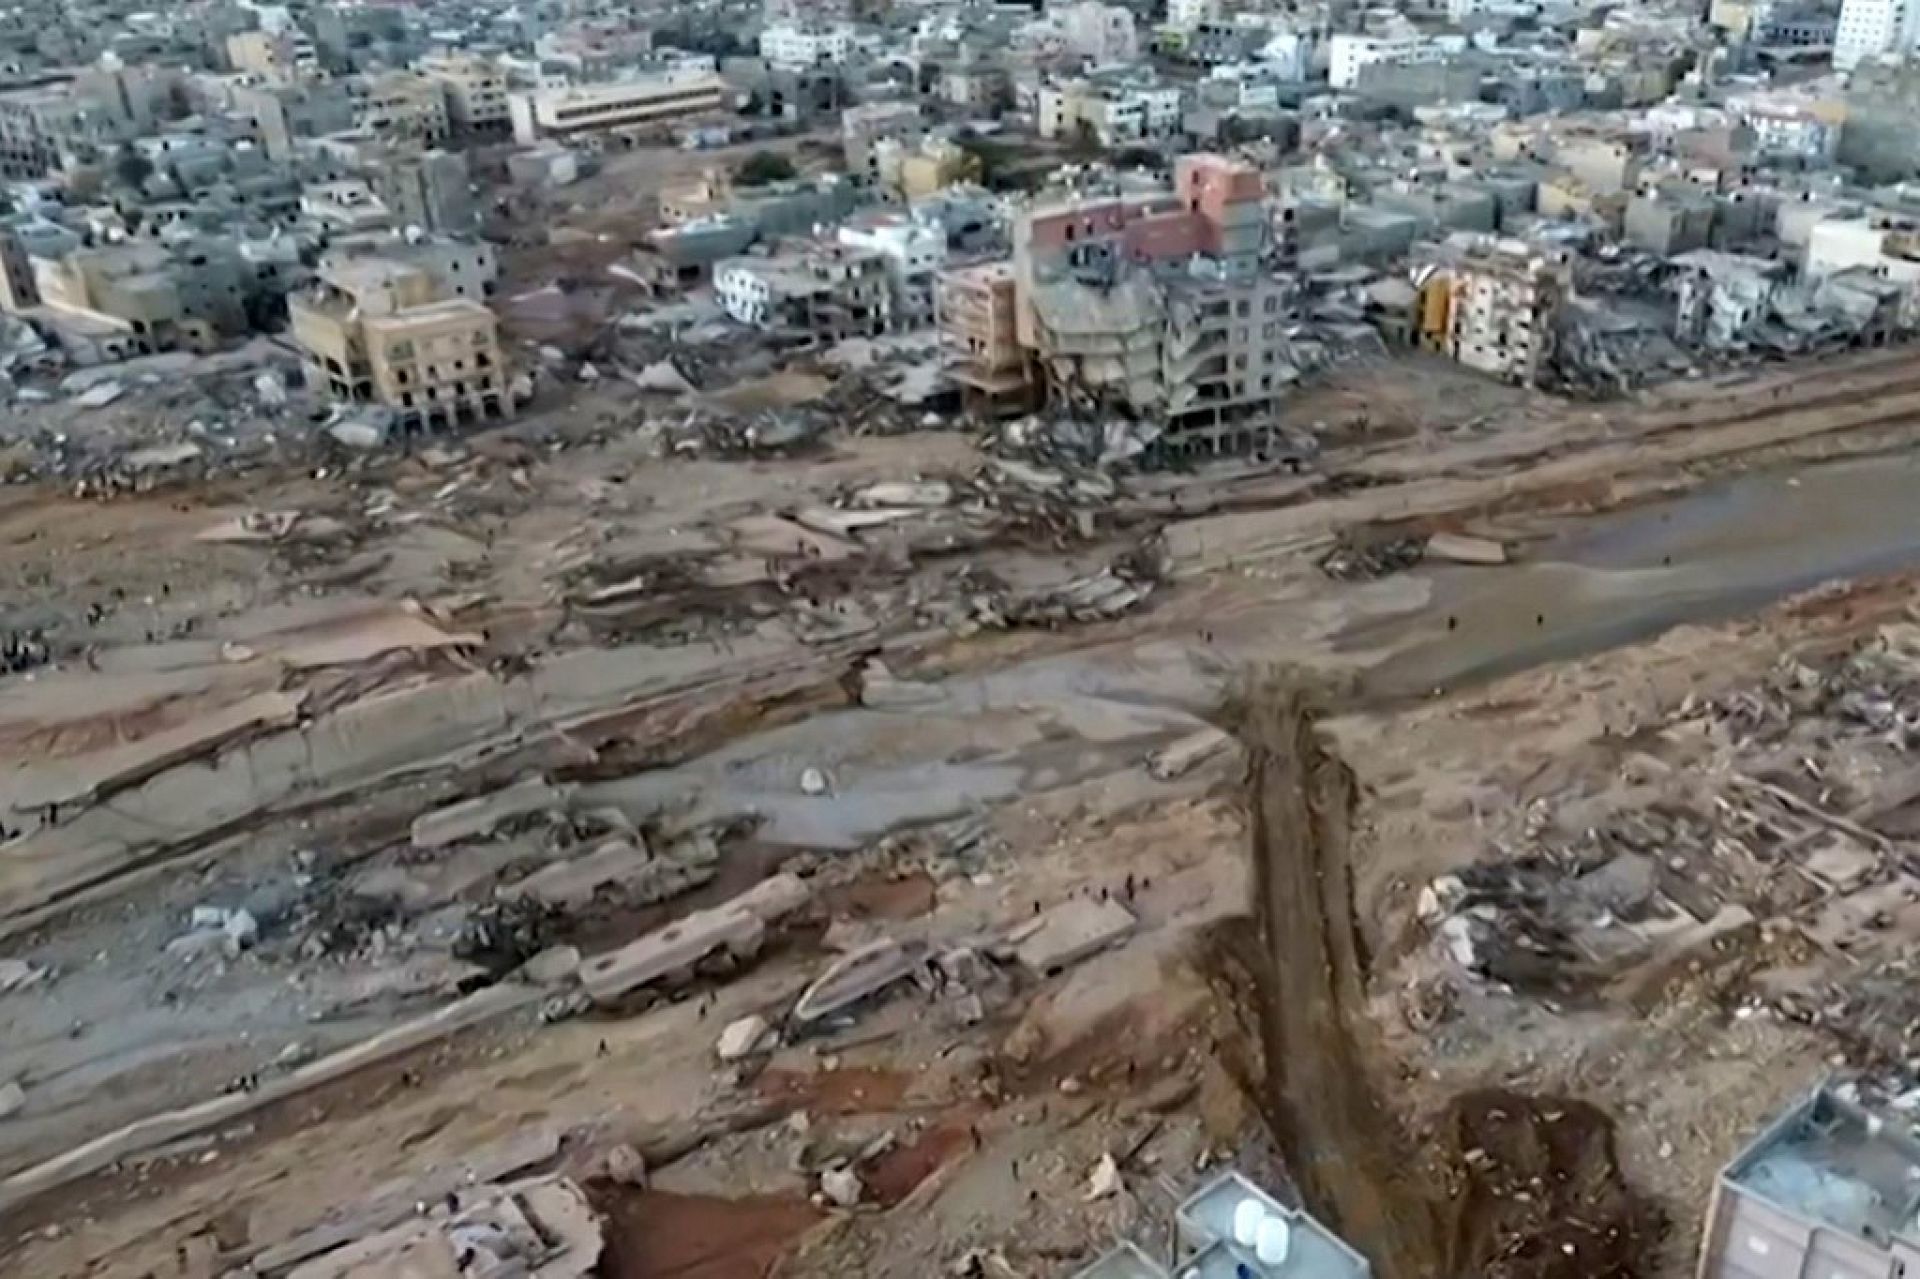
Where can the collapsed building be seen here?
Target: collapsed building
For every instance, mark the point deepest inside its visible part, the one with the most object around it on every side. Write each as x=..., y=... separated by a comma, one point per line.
x=1154, y=306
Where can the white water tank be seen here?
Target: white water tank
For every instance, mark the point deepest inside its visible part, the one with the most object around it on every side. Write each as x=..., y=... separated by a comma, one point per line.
x=1247, y=1216
x=1274, y=1239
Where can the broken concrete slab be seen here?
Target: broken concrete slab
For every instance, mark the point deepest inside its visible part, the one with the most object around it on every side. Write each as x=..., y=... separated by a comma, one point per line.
x=736, y=927
x=1459, y=548
x=855, y=976
x=12, y=1098
x=881, y=689
x=1178, y=758
x=572, y=883
x=743, y=1038
x=478, y=817
x=1071, y=931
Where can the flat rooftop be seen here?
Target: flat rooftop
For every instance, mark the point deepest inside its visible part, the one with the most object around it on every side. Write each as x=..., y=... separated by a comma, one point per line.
x=1313, y=1251
x=1838, y=1164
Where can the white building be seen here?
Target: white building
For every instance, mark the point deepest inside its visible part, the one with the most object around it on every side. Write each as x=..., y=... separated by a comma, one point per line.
x=795, y=47
x=1348, y=55
x=1185, y=15
x=1884, y=243
x=1256, y=85
x=1101, y=33
x=1789, y=129
x=1869, y=28
x=743, y=292
x=1288, y=55
x=1115, y=116
x=915, y=252
x=623, y=104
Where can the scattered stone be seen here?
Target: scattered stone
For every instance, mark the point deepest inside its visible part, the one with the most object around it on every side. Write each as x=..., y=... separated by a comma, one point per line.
x=552, y=966
x=742, y=1038
x=841, y=1186
x=626, y=1167
x=1104, y=1182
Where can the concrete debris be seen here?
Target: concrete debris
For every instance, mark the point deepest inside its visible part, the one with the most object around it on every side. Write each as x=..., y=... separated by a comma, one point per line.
x=480, y=816
x=1068, y=933
x=1097, y=597
x=99, y=395
x=842, y=1187
x=270, y=388
x=621, y=869
x=1104, y=1181
x=664, y=377
x=552, y=966
x=542, y=1228
x=1459, y=548
x=730, y=933
x=813, y=782
x=880, y=689
x=1364, y=559
x=18, y=974
x=858, y=975
x=743, y=1038
x=216, y=930
x=12, y=1099
x=905, y=493
x=625, y=1166
x=363, y=431
x=1177, y=759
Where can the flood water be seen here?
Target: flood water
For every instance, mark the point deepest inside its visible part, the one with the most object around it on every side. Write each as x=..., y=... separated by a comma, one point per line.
x=1723, y=550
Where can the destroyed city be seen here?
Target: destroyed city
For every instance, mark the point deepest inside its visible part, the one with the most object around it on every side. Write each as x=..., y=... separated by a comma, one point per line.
x=960, y=639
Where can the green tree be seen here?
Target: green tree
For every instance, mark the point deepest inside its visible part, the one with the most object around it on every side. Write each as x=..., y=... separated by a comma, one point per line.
x=762, y=167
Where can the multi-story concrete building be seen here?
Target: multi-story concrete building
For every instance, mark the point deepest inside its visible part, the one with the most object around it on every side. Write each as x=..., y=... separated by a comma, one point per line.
x=378, y=331
x=825, y=291
x=804, y=46
x=269, y=55
x=1113, y=114
x=1801, y=130
x=607, y=108
x=402, y=107
x=1156, y=305
x=1874, y=28
x=41, y=126
x=1103, y=34
x=1828, y=1189
x=18, y=290
x=432, y=190
x=863, y=127
x=1495, y=305
x=476, y=93
x=1884, y=245
x=914, y=252
x=1349, y=53
x=977, y=308
x=281, y=114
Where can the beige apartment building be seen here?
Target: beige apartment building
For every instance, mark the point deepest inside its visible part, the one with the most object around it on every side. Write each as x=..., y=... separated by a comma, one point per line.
x=378, y=331
x=476, y=93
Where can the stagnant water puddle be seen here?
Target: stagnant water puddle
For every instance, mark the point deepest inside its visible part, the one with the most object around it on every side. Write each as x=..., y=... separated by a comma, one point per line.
x=1724, y=549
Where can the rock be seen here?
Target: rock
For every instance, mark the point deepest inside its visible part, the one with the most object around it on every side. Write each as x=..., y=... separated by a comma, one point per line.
x=1104, y=1182
x=358, y=433
x=241, y=928
x=662, y=376
x=841, y=1186
x=100, y=395
x=271, y=389
x=881, y=689
x=18, y=974
x=626, y=1167
x=588, y=373
x=742, y=1038
x=552, y=966
x=201, y=942
x=12, y=1098
x=1461, y=549
x=813, y=782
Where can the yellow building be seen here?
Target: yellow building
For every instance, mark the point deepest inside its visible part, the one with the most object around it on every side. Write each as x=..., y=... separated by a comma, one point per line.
x=377, y=331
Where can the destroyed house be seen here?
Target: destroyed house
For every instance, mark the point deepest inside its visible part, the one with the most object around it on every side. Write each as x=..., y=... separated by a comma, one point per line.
x=1828, y=1190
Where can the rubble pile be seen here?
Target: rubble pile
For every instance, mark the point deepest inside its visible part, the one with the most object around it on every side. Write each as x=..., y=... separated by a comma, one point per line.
x=1356, y=559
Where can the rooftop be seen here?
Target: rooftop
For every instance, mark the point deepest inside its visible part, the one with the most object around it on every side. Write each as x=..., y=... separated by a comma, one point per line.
x=1834, y=1162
